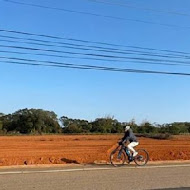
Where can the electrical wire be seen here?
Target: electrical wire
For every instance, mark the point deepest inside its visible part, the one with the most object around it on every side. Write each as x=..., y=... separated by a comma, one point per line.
x=90, y=67
x=92, y=54
x=141, y=8
x=97, y=59
x=99, y=15
x=87, y=48
x=89, y=42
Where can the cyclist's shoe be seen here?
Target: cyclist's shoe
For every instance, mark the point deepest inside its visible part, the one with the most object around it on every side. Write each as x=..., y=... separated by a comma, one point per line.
x=135, y=154
x=130, y=159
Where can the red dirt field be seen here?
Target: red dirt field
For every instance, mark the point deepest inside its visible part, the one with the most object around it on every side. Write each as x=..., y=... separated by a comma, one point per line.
x=63, y=149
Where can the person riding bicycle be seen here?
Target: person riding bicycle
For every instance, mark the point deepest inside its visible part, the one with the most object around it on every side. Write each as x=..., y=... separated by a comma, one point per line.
x=129, y=136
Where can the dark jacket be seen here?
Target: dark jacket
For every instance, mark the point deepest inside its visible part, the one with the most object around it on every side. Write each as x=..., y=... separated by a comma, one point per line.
x=129, y=136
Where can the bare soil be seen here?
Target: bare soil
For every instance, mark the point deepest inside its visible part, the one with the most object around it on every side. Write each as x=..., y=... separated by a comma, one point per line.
x=80, y=149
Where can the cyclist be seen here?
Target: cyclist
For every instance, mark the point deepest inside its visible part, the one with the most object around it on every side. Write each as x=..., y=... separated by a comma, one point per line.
x=129, y=136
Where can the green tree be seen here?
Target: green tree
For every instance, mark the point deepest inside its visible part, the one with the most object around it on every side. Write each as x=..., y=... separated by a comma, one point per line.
x=106, y=125
x=147, y=127
x=75, y=125
x=1, y=114
x=31, y=121
x=178, y=128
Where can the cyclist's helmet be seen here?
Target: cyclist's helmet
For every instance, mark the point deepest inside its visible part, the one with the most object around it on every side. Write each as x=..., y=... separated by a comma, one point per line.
x=127, y=128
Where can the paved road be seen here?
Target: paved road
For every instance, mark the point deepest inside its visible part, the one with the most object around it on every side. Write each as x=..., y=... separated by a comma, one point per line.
x=96, y=177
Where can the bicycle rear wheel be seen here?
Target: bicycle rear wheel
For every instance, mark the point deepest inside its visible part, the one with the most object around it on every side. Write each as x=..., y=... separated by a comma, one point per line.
x=117, y=157
x=142, y=157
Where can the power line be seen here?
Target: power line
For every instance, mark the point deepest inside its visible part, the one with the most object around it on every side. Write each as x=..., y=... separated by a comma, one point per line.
x=86, y=49
x=108, y=49
x=141, y=8
x=89, y=42
x=90, y=67
x=129, y=52
x=98, y=15
x=93, y=54
x=148, y=62
x=114, y=58
x=60, y=63
x=70, y=45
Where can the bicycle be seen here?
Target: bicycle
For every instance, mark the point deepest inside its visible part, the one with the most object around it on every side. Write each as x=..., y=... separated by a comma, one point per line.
x=119, y=156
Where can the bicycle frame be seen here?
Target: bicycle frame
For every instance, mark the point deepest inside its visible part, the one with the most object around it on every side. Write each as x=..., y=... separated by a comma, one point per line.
x=127, y=152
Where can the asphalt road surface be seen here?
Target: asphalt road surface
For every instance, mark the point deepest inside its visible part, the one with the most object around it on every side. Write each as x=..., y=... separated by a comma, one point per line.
x=97, y=177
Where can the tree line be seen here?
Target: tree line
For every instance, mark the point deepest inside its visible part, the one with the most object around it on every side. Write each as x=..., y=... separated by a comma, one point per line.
x=38, y=121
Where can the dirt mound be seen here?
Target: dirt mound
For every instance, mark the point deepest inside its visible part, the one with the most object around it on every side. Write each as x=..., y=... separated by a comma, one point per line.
x=64, y=149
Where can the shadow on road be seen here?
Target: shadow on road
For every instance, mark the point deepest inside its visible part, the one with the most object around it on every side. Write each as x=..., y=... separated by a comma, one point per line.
x=68, y=161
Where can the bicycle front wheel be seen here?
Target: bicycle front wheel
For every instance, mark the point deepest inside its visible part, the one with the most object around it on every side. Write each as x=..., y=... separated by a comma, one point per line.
x=142, y=157
x=117, y=157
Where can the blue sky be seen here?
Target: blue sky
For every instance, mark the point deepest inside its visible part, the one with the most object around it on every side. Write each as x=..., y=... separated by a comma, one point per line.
x=91, y=94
